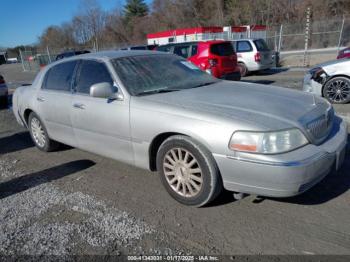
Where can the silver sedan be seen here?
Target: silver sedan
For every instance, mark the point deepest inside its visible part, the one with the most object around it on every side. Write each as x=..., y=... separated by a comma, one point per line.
x=159, y=112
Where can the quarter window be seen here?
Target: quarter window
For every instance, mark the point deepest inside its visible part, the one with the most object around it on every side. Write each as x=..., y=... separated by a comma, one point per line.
x=60, y=76
x=194, y=50
x=92, y=72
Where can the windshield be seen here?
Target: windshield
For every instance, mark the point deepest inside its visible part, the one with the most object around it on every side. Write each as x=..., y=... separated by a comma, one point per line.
x=147, y=74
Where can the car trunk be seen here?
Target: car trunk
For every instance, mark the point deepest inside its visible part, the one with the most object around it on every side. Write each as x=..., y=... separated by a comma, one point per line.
x=266, y=55
x=225, y=55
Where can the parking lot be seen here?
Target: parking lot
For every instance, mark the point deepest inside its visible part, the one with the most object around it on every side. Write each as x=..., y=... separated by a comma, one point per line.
x=74, y=202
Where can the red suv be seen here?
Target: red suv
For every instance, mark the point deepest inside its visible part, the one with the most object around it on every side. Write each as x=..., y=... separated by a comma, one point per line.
x=216, y=57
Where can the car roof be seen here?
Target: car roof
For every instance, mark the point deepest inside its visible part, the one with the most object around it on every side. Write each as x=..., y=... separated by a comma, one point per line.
x=108, y=55
x=247, y=39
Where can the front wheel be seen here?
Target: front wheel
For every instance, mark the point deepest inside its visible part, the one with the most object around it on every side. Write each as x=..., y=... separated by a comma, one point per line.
x=3, y=101
x=188, y=171
x=337, y=90
x=39, y=134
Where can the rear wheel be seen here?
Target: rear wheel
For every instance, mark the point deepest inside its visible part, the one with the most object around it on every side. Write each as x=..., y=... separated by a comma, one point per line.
x=39, y=134
x=188, y=171
x=3, y=101
x=243, y=69
x=337, y=90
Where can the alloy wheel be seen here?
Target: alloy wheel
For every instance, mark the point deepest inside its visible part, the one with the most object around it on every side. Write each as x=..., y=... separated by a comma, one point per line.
x=338, y=91
x=182, y=172
x=38, y=132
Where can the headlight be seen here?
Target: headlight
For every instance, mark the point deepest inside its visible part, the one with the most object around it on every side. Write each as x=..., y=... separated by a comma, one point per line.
x=267, y=142
x=318, y=74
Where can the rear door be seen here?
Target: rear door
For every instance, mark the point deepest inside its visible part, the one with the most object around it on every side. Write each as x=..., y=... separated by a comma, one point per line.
x=54, y=101
x=245, y=52
x=225, y=55
x=265, y=52
x=101, y=126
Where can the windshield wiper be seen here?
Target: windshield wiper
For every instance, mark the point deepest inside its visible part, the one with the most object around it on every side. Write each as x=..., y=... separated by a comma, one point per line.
x=157, y=91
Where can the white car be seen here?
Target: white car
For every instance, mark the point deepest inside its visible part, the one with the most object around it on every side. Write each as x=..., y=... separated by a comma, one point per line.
x=330, y=80
x=3, y=91
x=253, y=55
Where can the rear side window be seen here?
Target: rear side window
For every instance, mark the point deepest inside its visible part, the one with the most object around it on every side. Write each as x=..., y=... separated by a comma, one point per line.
x=194, y=50
x=92, y=72
x=60, y=76
x=244, y=46
x=222, y=49
x=164, y=48
x=261, y=45
x=182, y=51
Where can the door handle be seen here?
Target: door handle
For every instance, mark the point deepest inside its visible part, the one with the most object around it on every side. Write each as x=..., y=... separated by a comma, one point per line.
x=40, y=99
x=79, y=106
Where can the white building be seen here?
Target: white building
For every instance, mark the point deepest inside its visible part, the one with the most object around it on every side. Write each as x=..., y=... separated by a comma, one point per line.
x=207, y=33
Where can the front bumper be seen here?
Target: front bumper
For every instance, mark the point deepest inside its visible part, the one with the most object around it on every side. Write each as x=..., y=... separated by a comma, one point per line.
x=310, y=85
x=287, y=174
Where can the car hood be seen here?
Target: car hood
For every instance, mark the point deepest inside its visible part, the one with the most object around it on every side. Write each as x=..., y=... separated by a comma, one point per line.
x=268, y=107
x=341, y=62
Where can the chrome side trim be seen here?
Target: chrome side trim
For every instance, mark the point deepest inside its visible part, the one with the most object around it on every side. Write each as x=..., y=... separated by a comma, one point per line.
x=303, y=162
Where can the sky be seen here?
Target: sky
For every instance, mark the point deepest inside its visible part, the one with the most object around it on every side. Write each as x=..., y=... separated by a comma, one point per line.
x=23, y=21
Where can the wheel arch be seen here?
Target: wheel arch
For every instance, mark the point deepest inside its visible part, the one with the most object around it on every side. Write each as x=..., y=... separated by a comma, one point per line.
x=161, y=137
x=154, y=146
x=26, y=114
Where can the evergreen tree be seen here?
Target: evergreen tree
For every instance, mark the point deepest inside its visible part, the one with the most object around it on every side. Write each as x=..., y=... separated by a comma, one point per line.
x=135, y=8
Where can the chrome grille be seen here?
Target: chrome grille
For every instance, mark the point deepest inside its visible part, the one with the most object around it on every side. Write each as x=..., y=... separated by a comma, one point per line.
x=321, y=126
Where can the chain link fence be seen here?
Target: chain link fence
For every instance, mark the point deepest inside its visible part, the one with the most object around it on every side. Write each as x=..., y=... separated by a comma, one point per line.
x=323, y=34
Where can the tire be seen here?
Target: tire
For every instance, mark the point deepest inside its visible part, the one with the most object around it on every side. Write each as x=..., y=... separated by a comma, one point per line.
x=243, y=68
x=39, y=134
x=3, y=102
x=193, y=178
x=337, y=90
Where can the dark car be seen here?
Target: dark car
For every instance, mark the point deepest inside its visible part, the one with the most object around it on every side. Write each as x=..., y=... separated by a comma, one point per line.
x=216, y=57
x=3, y=91
x=140, y=47
x=71, y=53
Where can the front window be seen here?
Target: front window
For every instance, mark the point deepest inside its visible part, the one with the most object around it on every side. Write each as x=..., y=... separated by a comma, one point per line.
x=148, y=74
x=90, y=73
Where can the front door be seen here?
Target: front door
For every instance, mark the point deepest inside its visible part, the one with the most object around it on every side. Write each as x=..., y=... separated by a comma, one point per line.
x=101, y=126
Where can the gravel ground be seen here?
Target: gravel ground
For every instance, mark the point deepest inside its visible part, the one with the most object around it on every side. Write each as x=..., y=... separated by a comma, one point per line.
x=73, y=202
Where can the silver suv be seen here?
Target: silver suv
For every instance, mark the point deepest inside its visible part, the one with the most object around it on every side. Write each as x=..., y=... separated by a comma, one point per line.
x=253, y=55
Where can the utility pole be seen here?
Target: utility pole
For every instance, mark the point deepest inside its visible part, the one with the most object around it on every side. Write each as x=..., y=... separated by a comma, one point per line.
x=341, y=33
x=48, y=54
x=280, y=39
x=307, y=35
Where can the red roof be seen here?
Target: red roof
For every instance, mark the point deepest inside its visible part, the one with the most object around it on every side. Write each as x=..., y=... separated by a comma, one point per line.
x=243, y=28
x=186, y=31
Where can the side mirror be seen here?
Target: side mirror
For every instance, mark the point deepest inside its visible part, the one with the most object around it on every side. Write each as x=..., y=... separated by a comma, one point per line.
x=101, y=90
